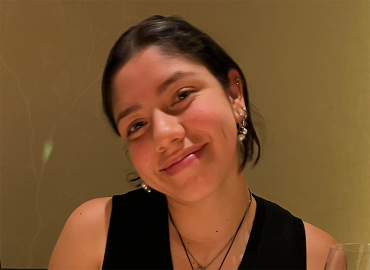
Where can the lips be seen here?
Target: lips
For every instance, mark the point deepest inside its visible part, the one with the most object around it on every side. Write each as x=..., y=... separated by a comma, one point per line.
x=184, y=159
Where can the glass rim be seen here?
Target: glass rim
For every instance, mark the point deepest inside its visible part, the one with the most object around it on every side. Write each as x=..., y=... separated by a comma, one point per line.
x=352, y=247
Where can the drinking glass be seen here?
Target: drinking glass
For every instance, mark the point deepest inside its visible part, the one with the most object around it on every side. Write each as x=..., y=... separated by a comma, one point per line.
x=349, y=256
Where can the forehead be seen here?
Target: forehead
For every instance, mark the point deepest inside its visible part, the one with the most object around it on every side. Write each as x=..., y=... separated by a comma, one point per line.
x=150, y=63
x=147, y=69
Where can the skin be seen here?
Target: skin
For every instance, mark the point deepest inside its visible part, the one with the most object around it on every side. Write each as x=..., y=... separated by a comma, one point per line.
x=208, y=197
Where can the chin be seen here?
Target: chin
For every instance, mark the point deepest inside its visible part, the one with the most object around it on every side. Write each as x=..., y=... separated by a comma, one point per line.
x=192, y=192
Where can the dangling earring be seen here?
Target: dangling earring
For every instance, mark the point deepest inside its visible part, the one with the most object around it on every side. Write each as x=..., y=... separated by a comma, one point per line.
x=145, y=187
x=242, y=132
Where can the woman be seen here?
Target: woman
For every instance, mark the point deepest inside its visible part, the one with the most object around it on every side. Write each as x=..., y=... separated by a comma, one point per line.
x=180, y=104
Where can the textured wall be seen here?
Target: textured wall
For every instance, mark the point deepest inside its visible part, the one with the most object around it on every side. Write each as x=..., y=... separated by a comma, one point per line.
x=307, y=65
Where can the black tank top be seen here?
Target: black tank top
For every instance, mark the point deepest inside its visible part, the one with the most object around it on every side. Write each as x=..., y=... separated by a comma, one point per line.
x=138, y=236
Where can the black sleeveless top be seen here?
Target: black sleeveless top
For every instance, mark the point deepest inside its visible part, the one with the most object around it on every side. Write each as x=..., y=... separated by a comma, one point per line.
x=138, y=236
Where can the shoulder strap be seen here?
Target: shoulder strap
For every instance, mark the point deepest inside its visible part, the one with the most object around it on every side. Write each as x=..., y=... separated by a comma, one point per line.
x=277, y=240
x=138, y=236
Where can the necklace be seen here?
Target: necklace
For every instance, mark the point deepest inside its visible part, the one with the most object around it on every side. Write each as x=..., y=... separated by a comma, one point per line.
x=231, y=241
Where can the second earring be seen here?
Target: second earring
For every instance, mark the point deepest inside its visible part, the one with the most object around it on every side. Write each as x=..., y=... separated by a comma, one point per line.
x=242, y=131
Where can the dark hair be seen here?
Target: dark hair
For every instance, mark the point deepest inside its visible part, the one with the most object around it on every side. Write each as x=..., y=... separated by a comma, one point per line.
x=176, y=36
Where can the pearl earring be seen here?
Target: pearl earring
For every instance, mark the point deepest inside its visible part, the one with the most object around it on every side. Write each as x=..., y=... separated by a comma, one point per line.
x=145, y=187
x=242, y=132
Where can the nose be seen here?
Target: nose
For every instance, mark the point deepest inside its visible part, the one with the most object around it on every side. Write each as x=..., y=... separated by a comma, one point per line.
x=167, y=130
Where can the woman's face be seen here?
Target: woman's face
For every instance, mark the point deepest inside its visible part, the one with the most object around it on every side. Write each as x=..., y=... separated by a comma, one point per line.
x=178, y=123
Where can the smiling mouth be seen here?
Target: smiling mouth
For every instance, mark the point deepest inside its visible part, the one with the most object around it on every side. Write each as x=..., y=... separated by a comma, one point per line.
x=184, y=162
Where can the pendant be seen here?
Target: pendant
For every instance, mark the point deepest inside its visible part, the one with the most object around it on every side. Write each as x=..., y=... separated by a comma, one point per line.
x=201, y=267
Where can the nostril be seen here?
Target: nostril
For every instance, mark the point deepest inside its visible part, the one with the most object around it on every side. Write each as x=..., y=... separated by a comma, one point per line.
x=161, y=149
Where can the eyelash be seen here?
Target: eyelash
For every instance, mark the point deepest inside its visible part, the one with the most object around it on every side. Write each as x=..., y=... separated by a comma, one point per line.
x=187, y=93
x=135, y=125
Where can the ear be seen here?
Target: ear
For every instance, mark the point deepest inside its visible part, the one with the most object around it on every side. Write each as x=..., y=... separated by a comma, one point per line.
x=236, y=96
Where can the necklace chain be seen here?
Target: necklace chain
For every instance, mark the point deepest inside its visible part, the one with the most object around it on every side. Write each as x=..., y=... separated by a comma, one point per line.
x=187, y=251
x=200, y=267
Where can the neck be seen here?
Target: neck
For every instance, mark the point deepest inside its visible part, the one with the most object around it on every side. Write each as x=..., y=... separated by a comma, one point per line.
x=213, y=220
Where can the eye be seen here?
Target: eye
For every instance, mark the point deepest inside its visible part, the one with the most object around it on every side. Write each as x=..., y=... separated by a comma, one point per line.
x=182, y=95
x=135, y=127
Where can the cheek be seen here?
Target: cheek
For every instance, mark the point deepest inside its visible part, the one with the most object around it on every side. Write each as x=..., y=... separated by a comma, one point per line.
x=200, y=115
x=140, y=156
x=213, y=118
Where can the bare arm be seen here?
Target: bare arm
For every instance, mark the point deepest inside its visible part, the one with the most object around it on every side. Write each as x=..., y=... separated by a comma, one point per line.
x=318, y=244
x=81, y=244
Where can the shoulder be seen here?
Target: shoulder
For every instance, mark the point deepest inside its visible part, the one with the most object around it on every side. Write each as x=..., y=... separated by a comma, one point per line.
x=91, y=215
x=318, y=244
x=76, y=248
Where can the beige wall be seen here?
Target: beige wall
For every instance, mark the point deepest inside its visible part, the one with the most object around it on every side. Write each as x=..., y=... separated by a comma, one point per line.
x=307, y=65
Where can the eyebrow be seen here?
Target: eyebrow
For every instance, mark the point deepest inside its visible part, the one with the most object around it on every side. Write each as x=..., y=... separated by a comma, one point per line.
x=174, y=77
x=126, y=112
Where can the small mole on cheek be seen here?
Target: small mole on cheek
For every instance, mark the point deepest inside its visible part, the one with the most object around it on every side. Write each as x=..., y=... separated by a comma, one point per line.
x=80, y=213
x=227, y=220
x=216, y=231
x=188, y=243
